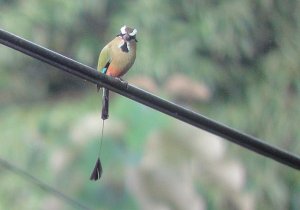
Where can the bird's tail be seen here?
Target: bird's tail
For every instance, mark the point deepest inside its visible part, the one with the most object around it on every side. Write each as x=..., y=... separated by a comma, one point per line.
x=105, y=104
x=97, y=172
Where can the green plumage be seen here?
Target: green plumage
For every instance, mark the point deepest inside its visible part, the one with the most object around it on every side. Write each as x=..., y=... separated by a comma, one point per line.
x=104, y=60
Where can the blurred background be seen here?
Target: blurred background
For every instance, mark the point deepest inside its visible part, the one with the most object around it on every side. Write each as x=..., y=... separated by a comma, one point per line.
x=234, y=61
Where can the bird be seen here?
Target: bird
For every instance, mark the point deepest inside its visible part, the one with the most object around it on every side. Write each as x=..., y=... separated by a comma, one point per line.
x=115, y=59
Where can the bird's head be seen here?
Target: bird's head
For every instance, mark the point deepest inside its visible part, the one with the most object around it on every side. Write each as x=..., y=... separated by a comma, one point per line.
x=128, y=34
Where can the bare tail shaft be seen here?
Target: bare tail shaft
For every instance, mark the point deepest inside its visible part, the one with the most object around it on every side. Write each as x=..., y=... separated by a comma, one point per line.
x=105, y=104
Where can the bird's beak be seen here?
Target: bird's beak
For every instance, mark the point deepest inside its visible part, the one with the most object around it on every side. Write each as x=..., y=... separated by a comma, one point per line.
x=126, y=37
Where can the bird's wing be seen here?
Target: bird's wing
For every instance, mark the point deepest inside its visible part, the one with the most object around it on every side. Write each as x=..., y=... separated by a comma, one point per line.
x=104, y=59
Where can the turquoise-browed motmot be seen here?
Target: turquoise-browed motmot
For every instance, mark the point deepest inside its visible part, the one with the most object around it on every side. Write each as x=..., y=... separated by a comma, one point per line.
x=115, y=60
x=117, y=56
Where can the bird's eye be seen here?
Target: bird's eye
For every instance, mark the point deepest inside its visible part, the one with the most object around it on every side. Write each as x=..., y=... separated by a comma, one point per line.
x=133, y=37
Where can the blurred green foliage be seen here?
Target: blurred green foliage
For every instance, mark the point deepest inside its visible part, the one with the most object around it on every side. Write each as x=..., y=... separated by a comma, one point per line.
x=246, y=52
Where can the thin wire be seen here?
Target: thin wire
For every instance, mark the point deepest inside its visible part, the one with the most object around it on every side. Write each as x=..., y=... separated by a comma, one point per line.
x=89, y=74
x=25, y=175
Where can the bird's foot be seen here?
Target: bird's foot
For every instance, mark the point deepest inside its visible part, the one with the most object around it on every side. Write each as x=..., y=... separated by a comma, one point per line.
x=123, y=81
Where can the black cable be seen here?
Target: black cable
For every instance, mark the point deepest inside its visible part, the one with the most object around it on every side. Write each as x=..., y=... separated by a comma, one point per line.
x=5, y=164
x=141, y=96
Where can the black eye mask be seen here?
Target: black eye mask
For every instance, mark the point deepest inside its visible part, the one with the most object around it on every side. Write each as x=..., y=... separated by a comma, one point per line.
x=131, y=37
